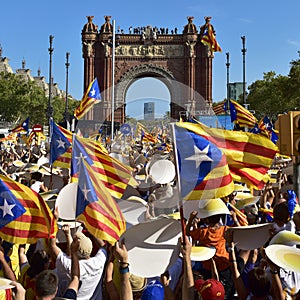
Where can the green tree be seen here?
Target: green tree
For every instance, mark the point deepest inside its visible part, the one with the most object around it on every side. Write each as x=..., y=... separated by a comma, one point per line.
x=20, y=99
x=276, y=94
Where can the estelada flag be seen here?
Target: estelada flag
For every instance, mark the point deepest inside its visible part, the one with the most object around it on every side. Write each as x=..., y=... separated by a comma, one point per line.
x=249, y=156
x=240, y=115
x=92, y=96
x=209, y=39
x=60, y=146
x=96, y=207
x=203, y=169
x=24, y=215
x=114, y=174
x=23, y=127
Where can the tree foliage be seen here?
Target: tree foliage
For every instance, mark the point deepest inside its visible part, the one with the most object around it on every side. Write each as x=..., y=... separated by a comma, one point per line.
x=276, y=94
x=20, y=99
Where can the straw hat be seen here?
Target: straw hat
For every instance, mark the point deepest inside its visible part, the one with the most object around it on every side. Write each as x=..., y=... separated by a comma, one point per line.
x=211, y=207
x=202, y=253
x=285, y=237
x=137, y=283
x=285, y=257
x=242, y=203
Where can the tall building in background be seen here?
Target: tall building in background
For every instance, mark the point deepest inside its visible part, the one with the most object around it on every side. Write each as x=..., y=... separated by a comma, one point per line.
x=149, y=108
x=235, y=90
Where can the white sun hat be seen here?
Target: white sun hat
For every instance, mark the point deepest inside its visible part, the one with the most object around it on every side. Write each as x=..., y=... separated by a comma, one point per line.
x=284, y=256
x=162, y=171
x=285, y=237
x=211, y=207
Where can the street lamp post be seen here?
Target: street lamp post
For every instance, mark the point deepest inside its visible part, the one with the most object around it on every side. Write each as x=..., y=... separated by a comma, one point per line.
x=66, y=114
x=227, y=66
x=50, y=108
x=244, y=50
x=113, y=81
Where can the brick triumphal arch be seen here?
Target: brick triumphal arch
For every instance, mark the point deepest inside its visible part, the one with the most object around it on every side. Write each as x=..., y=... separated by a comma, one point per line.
x=180, y=60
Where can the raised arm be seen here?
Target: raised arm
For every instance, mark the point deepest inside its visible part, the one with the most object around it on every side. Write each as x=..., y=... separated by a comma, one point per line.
x=121, y=254
x=188, y=278
x=75, y=269
x=66, y=229
x=7, y=270
x=110, y=286
x=237, y=279
x=191, y=222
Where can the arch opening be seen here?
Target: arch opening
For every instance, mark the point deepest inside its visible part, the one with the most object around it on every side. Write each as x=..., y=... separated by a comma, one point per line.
x=147, y=98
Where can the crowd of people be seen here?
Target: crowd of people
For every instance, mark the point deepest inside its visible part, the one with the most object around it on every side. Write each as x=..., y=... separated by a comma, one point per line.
x=86, y=267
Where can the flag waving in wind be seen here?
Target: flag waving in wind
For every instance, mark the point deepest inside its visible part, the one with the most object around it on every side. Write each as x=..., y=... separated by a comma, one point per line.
x=24, y=215
x=92, y=96
x=240, y=115
x=208, y=36
x=60, y=145
x=113, y=174
x=95, y=206
x=23, y=127
x=249, y=156
x=266, y=125
x=203, y=170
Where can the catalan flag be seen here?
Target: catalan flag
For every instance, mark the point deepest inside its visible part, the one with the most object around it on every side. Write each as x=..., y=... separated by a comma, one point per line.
x=267, y=127
x=24, y=215
x=38, y=136
x=240, y=115
x=21, y=128
x=209, y=39
x=203, y=170
x=95, y=206
x=219, y=109
x=12, y=137
x=113, y=174
x=92, y=96
x=249, y=156
x=60, y=146
x=146, y=136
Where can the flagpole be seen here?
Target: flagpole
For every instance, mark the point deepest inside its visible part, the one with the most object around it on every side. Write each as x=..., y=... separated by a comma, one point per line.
x=113, y=81
x=183, y=225
x=244, y=68
x=228, y=92
x=50, y=107
x=79, y=169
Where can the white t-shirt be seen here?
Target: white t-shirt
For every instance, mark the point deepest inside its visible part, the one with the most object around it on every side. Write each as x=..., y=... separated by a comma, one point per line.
x=36, y=186
x=91, y=271
x=290, y=226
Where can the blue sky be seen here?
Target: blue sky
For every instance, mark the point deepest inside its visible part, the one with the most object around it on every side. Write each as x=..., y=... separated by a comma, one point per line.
x=271, y=30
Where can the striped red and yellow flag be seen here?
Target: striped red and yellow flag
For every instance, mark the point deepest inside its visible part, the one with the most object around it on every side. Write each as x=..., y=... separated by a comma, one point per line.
x=209, y=39
x=203, y=169
x=25, y=216
x=146, y=136
x=96, y=207
x=114, y=174
x=241, y=115
x=219, y=108
x=249, y=156
x=92, y=96
x=64, y=160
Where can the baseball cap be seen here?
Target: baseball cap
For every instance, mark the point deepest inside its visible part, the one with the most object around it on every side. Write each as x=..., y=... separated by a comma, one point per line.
x=210, y=289
x=85, y=245
x=153, y=291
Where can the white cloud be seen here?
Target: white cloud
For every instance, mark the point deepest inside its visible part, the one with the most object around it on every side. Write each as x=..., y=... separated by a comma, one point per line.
x=294, y=43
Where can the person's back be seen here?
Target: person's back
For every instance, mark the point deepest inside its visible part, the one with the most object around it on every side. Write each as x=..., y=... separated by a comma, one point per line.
x=91, y=269
x=213, y=236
